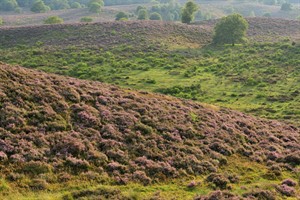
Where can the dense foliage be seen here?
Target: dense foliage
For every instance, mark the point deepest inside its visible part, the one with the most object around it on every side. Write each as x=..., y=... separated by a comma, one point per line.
x=54, y=20
x=231, y=29
x=188, y=11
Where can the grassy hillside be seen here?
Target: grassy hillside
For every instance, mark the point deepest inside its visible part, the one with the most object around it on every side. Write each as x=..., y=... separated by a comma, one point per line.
x=66, y=138
x=261, y=77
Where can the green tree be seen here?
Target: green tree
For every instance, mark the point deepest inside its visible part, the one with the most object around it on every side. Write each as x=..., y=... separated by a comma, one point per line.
x=39, y=7
x=143, y=14
x=121, y=16
x=188, y=11
x=8, y=5
x=231, y=29
x=75, y=5
x=1, y=21
x=286, y=7
x=155, y=16
x=53, y=20
x=95, y=6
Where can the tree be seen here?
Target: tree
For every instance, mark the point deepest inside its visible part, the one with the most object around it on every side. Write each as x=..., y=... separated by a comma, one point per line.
x=8, y=5
x=188, y=11
x=39, y=7
x=1, y=21
x=230, y=29
x=121, y=16
x=53, y=20
x=143, y=14
x=155, y=16
x=286, y=7
x=95, y=6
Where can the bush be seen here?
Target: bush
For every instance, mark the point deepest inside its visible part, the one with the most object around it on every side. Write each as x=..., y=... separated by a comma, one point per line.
x=1, y=21
x=286, y=7
x=219, y=180
x=38, y=184
x=155, y=16
x=53, y=20
x=86, y=19
x=286, y=190
x=121, y=16
x=143, y=14
x=35, y=168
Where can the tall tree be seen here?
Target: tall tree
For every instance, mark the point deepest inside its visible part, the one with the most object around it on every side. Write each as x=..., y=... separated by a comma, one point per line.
x=231, y=29
x=188, y=11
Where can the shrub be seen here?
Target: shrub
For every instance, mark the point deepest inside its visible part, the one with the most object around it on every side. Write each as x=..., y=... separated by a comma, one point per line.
x=36, y=167
x=1, y=21
x=121, y=16
x=143, y=14
x=86, y=19
x=155, y=16
x=260, y=194
x=53, y=20
x=38, y=184
x=286, y=190
x=289, y=182
x=219, y=180
x=286, y=7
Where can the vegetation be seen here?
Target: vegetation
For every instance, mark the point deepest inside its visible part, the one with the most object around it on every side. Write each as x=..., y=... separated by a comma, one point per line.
x=95, y=6
x=155, y=16
x=230, y=30
x=188, y=12
x=1, y=21
x=121, y=16
x=86, y=19
x=99, y=134
x=8, y=5
x=39, y=7
x=286, y=7
x=54, y=20
x=142, y=14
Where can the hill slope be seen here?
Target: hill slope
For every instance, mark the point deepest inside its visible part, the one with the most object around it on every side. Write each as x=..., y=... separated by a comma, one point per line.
x=51, y=124
x=260, y=77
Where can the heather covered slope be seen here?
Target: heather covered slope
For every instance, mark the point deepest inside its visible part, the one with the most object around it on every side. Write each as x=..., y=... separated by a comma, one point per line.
x=53, y=128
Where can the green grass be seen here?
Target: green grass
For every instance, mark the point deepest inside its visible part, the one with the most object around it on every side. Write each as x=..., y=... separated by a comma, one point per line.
x=259, y=78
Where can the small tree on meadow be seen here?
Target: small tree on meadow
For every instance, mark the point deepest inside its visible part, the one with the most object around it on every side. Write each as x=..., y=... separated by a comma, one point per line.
x=143, y=14
x=155, y=16
x=121, y=16
x=230, y=30
x=188, y=11
x=39, y=7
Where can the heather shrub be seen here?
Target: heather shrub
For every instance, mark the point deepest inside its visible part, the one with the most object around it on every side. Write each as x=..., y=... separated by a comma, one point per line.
x=293, y=158
x=286, y=190
x=35, y=168
x=260, y=195
x=38, y=184
x=218, y=195
x=77, y=165
x=289, y=182
x=141, y=177
x=218, y=180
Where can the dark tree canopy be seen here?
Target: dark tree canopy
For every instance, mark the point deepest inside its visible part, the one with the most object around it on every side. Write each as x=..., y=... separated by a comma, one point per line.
x=230, y=30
